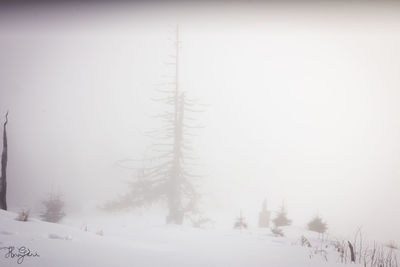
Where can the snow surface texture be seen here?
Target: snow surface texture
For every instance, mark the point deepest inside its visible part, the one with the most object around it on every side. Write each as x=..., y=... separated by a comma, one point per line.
x=120, y=243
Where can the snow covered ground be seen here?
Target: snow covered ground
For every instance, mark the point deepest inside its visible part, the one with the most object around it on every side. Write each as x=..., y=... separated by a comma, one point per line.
x=126, y=242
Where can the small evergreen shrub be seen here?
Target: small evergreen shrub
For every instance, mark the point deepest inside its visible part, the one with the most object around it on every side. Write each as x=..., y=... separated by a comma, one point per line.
x=54, y=209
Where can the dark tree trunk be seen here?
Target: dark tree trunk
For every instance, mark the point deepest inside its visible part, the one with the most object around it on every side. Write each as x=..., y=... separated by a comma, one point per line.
x=352, y=256
x=3, y=180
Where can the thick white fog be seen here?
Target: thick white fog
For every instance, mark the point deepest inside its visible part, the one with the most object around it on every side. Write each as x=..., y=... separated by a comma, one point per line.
x=301, y=105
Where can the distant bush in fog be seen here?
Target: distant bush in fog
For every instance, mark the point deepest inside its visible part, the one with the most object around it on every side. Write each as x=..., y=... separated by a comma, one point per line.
x=240, y=222
x=23, y=216
x=54, y=209
x=281, y=218
x=317, y=225
x=277, y=231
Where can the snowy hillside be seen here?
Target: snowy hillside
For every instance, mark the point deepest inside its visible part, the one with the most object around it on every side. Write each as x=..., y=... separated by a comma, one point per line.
x=127, y=244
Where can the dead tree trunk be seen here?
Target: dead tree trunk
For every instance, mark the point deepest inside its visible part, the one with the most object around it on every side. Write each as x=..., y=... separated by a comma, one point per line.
x=3, y=180
x=352, y=255
x=181, y=192
x=174, y=195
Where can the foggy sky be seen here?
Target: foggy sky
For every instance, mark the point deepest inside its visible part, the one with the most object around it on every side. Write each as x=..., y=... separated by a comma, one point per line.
x=302, y=104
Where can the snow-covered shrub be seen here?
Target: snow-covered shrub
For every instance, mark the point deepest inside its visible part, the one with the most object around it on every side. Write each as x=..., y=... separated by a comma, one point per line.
x=372, y=254
x=54, y=209
x=200, y=221
x=305, y=242
x=318, y=251
x=317, y=225
x=340, y=248
x=240, y=223
x=23, y=215
x=277, y=231
x=100, y=232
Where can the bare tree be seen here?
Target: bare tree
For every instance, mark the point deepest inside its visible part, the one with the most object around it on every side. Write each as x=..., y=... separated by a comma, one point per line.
x=3, y=180
x=169, y=175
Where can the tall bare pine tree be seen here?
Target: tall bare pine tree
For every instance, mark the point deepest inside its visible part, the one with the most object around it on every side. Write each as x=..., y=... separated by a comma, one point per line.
x=168, y=175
